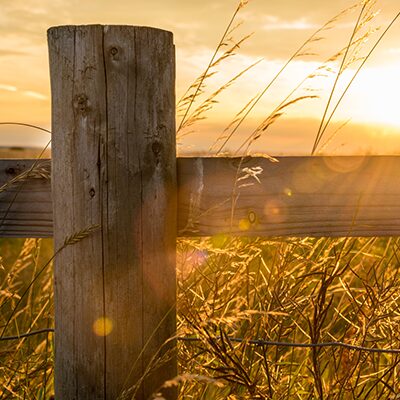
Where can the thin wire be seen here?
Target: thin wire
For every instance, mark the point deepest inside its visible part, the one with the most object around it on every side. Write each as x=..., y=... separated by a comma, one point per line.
x=258, y=342
x=24, y=335
x=255, y=342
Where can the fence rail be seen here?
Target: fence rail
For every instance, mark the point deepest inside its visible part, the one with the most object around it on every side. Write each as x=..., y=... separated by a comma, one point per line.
x=298, y=196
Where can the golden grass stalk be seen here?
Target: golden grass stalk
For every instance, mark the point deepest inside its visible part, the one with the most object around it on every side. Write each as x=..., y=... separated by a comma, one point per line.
x=70, y=240
x=207, y=104
x=355, y=30
x=272, y=118
x=39, y=170
x=188, y=98
x=301, y=51
x=225, y=133
x=79, y=236
x=276, y=113
x=364, y=60
x=327, y=119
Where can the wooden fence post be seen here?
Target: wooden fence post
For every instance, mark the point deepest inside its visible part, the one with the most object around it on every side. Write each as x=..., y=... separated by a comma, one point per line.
x=114, y=164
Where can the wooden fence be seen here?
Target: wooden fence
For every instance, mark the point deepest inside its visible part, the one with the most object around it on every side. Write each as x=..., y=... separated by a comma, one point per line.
x=114, y=165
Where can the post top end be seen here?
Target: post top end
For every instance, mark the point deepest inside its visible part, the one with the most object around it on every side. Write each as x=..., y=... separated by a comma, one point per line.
x=106, y=28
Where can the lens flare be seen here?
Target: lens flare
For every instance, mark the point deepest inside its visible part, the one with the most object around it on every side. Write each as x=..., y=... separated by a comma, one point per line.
x=219, y=240
x=344, y=165
x=309, y=177
x=274, y=212
x=102, y=326
x=244, y=224
x=198, y=257
x=288, y=192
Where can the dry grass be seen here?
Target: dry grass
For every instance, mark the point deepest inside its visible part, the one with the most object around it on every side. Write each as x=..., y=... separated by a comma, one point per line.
x=302, y=291
x=26, y=304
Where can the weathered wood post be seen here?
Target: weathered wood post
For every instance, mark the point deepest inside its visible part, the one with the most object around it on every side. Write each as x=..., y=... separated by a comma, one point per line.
x=114, y=164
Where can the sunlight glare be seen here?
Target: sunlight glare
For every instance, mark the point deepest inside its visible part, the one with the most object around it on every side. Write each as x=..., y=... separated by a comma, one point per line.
x=374, y=97
x=102, y=326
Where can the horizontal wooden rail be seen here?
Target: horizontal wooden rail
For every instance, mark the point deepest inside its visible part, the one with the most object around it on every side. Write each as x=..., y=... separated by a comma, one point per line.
x=297, y=196
x=25, y=199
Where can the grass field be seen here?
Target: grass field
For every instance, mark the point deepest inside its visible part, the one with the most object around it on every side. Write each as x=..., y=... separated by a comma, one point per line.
x=26, y=304
x=297, y=291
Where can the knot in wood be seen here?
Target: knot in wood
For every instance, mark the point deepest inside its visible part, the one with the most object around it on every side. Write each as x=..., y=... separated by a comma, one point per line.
x=81, y=103
x=114, y=52
x=252, y=217
x=156, y=147
x=92, y=192
x=161, y=130
x=10, y=171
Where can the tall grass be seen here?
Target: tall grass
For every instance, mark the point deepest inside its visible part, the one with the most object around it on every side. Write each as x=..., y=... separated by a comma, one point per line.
x=244, y=305
x=292, y=291
x=26, y=365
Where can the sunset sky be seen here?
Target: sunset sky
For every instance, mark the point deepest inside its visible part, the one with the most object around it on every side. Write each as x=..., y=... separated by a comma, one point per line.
x=371, y=107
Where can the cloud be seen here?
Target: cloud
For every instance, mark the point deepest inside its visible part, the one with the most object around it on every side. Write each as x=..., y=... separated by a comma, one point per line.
x=394, y=50
x=8, y=53
x=35, y=95
x=8, y=88
x=273, y=23
x=185, y=26
x=29, y=93
x=23, y=19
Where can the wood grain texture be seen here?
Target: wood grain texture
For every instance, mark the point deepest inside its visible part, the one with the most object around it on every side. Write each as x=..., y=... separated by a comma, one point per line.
x=25, y=205
x=114, y=164
x=298, y=196
x=79, y=128
x=139, y=256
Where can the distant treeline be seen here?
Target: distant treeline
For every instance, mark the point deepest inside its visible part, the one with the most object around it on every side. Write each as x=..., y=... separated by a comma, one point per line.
x=23, y=152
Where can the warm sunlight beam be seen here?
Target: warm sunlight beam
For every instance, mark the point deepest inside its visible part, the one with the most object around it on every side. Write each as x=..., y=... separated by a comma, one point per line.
x=375, y=96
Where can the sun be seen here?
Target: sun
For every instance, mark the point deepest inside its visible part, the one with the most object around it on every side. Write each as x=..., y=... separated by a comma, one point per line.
x=374, y=97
